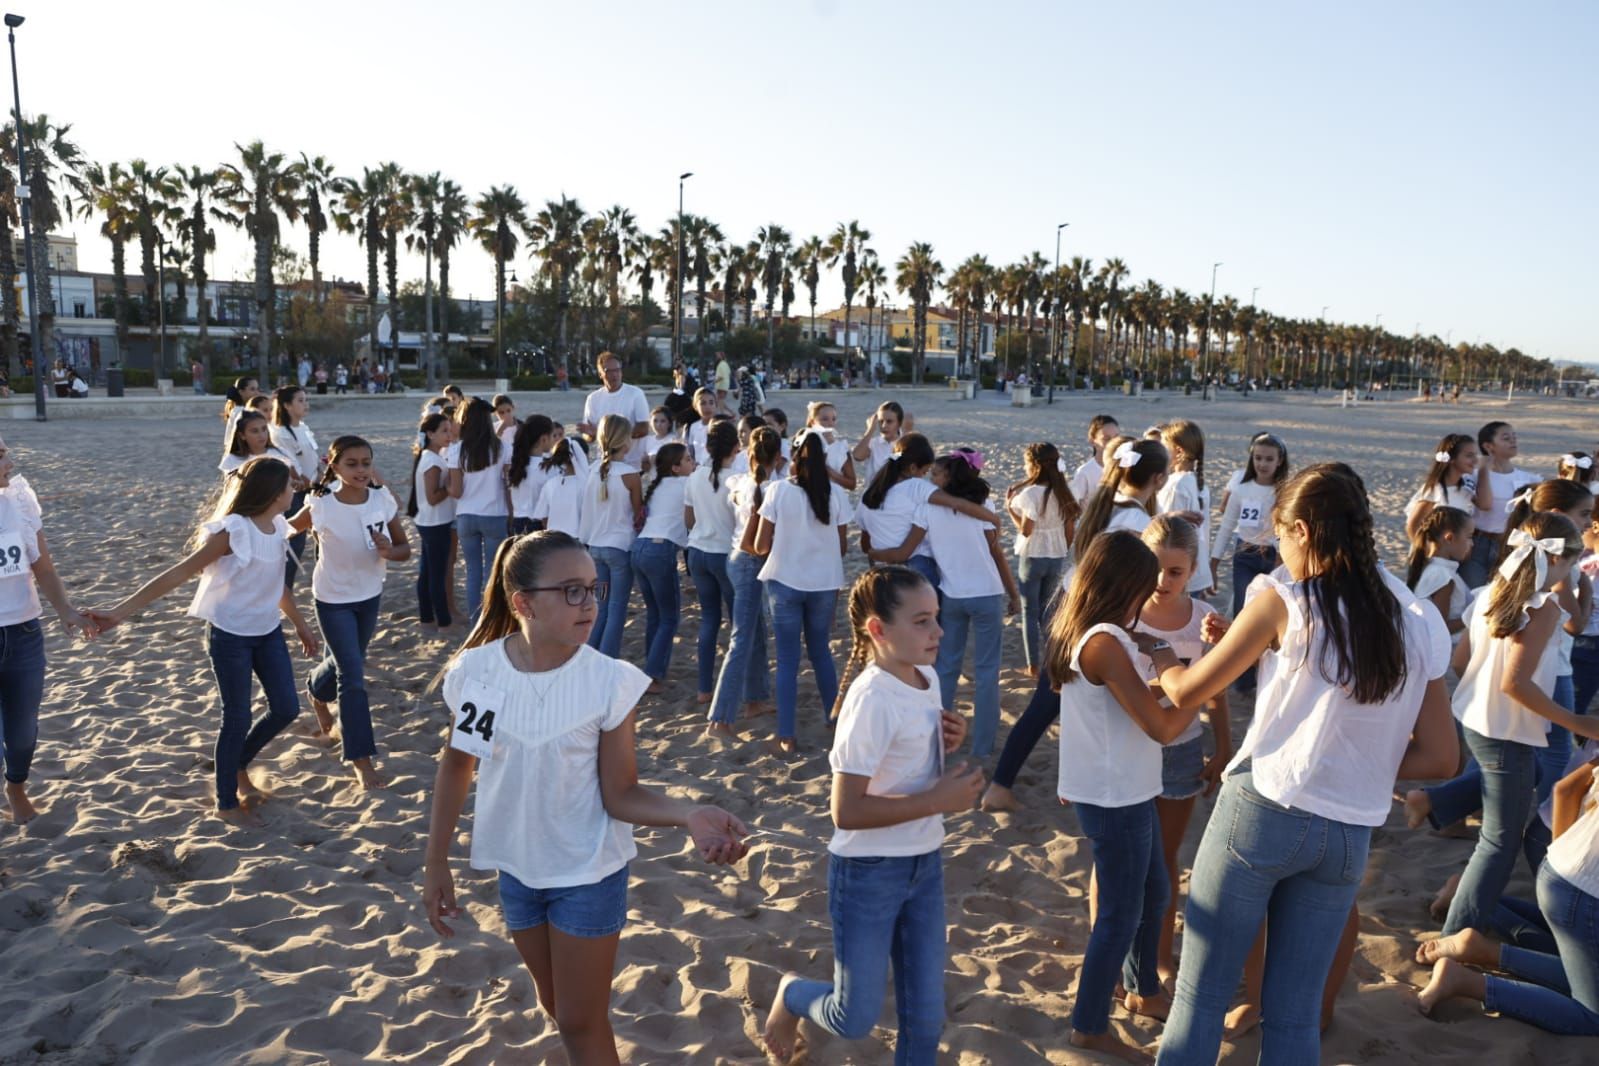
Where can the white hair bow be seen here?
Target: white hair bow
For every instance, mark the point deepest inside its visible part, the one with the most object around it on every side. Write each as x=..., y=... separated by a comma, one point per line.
x=1440, y=457
x=1524, y=493
x=808, y=431
x=1127, y=456
x=1581, y=462
x=1060, y=464
x=1526, y=544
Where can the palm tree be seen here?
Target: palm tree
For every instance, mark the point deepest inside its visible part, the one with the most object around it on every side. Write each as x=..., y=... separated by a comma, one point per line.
x=200, y=237
x=917, y=274
x=701, y=236
x=1225, y=311
x=1180, y=312
x=616, y=230
x=846, y=243
x=498, y=221
x=453, y=208
x=52, y=159
x=254, y=191
x=108, y=192
x=737, y=262
x=663, y=255
x=360, y=211
x=775, y=244
x=155, y=193
x=396, y=213
x=426, y=196
x=872, y=277
x=316, y=175
x=642, y=252
x=1111, y=275
x=807, y=260
x=555, y=235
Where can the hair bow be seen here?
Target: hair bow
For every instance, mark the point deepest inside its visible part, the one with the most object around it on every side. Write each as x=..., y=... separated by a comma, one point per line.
x=805, y=434
x=894, y=457
x=1523, y=493
x=1581, y=462
x=973, y=457
x=1127, y=456
x=1526, y=544
x=1441, y=457
x=1060, y=464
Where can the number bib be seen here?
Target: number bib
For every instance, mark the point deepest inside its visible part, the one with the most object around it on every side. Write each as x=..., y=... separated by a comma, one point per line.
x=1249, y=517
x=472, y=729
x=13, y=554
x=371, y=524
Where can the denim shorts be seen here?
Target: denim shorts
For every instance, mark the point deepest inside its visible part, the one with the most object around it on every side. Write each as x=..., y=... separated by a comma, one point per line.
x=1182, y=768
x=599, y=909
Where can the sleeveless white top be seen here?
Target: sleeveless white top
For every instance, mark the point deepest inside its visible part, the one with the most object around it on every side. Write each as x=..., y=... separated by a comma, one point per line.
x=1106, y=758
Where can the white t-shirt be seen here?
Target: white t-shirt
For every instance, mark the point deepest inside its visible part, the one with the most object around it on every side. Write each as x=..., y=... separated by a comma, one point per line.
x=1106, y=759
x=890, y=732
x=890, y=524
x=1503, y=487
x=1461, y=497
x=694, y=437
x=1133, y=518
x=299, y=444
x=1314, y=748
x=1438, y=574
x=348, y=566
x=239, y=593
x=741, y=495
x=1479, y=704
x=1182, y=493
x=231, y=462
x=805, y=553
x=1187, y=644
x=966, y=567
x=539, y=815
x=1248, y=512
x=627, y=401
x=608, y=522
x=653, y=444
x=482, y=491
x=1574, y=854
x=1048, y=538
x=878, y=451
x=432, y=514
x=713, y=511
x=560, y=503
x=20, y=523
x=663, y=518
x=1085, y=480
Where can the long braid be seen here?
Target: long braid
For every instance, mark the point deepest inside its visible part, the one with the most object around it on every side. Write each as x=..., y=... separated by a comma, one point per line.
x=877, y=593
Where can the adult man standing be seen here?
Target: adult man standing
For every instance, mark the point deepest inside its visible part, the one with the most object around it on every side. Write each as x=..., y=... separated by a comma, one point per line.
x=615, y=398
x=724, y=382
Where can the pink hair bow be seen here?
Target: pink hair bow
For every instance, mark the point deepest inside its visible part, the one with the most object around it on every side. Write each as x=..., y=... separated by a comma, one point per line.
x=973, y=457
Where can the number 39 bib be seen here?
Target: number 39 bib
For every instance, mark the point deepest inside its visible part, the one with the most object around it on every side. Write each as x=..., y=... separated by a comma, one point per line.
x=472, y=725
x=13, y=554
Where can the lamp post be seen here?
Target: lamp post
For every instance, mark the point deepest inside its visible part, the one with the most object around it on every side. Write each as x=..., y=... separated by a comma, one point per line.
x=161, y=298
x=12, y=22
x=1204, y=349
x=1254, y=292
x=677, y=316
x=1054, y=308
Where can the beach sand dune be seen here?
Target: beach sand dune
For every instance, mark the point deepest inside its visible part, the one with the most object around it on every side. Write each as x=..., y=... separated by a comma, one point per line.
x=138, y=928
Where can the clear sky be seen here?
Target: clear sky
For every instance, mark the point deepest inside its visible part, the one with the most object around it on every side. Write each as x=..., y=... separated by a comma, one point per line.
x=1433, y=162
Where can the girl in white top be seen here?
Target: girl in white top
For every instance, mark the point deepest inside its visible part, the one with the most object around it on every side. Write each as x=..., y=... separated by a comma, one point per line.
x=524, y=474
x=1579, y=467
x=1346, y=708
x=1111, y=732
x=1442, y=540
x=239, y=556
x=708, y=514
x=239, y=394
x=1135, y=472
x=705, y=407
x=894, y=499
x=358, y=531
x=251, y=436
x=1186, y=495
x=883, y=430
x=1102, y=429
x=657, y=553
x=612, y=510
x=25, y=568
x=1451, y=481
x=823, y=417
x=477, y=464
x=803, y=534
x=890, y=793
x=747, y=425
x=432, y=508
x=294, y=440
x=1248, y=511
x=548, y=724
x=1045, y=513
x=560, y=501
x=777, y=418
x=1499, y=480
x=661, y=432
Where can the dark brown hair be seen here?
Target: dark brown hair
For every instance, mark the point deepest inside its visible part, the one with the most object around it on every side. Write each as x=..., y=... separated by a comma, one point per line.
x=1116, y=572
x=877, y=593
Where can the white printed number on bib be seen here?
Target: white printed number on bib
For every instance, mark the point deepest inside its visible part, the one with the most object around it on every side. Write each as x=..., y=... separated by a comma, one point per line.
x=13, y=556
x=472, y=730
x=1249, y=518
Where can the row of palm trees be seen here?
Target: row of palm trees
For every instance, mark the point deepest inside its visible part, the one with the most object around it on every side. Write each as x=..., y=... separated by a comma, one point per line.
x=1077, y=318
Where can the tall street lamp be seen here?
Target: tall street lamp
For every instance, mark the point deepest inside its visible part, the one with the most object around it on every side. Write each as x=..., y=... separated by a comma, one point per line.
x=1204, y=348
x=1054, y=307
x=677, y=317
x=12, y=22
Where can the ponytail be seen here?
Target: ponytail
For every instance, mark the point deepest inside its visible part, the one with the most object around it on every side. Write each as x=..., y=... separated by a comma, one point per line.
x=765, y=448
x=1431, y=531
x=665, y=459
x=429, y=424
x=810, y=474
x=533, y=429
x=1047, y=472
x=517, y=565
x=721, y=442
x=1152, y=460
x=910, y=449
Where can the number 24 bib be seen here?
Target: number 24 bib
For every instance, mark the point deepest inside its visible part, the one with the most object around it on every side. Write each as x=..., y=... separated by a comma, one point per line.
x=472, y=723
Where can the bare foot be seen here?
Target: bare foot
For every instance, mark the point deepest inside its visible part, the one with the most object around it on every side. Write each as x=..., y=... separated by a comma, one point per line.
x=1156, y=1006
x=756, y=708
x=1000, y=798
x=324, y=717
x=781, y=1027
x=1110, y=1044
x=656, y=687
x=367, y=775
x=240, y=817
x=784, y=747
x=1167, y=971
x=1240, y=1020
x=1467, y=946
x=251, y=795
x=1418, y=805
x=720, y=731
x=22, y=809
x=429, y=629
x=1451, y=979
x=1439, y=907
x=702, y=698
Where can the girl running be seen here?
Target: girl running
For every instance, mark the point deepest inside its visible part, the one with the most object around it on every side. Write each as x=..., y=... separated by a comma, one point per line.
x=1248, y=511
x=746, y=674
x=552, y=722
x=476, y=465
x=1186, y=496
x=433, y=510
x=656, y=553
x=709, y=518
x=294, y=439
x=1451, y=481
x=612, y=511
x=524, y=474
x=251, y=436
x=1442, y=541
x=823, y=417
x=1045, y=513
x=890, y=793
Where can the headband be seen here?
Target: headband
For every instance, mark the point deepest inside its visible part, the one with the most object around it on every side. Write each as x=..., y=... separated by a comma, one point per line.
x=1127, y=456
x=1440, y=457
x=1526, y=544
x=973, y=457
x=1581, y=462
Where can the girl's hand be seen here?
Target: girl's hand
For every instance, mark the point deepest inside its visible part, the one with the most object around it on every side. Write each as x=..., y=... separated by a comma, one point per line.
x=958, y=789
x=308, y=641
x=382, y=543
x=86, y=627
x=871, y=423
x=103, y=618
x=718, y=836
x=953, y=729
x=438, y=896
x=1213, y=770
x=1213, y=628
x=1013, y=604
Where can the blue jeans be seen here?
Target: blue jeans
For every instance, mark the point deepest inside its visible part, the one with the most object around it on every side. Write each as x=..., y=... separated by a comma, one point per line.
x=614, y=567
x=480, y=537
x=1552, y=758
x=1249, y=563
x=1479, y=565
x=1262, y=862
x=1565, y=998
x=1519, y=921
x=884, y=910
x=796, y=613
x=714, y=589
x=746, y=672
x=347, y=629
x=296, y=544
x=1041, y=712
x=1584, y=672
x=21, y=692
x=655, y=564
x=433, y=574
x=1133, y=892
x=985, y=617
x=233, y=660
x=1509, y=772
x=1040, y=578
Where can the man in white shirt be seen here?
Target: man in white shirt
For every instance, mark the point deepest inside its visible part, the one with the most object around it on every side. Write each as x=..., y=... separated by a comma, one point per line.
x=724, y=382
x=615, y=398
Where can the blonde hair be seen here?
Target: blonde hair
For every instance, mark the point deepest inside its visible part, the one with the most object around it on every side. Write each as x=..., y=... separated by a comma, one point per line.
x=815, y=406
x=1187, y=435
x=1169, y=531
x=615, y=433
x=1508, y=598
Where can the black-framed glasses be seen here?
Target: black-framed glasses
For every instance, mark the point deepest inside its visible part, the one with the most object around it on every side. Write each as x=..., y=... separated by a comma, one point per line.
x=578, y=595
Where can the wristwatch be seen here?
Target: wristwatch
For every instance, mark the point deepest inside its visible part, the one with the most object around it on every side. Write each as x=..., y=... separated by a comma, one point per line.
x=1159, y=645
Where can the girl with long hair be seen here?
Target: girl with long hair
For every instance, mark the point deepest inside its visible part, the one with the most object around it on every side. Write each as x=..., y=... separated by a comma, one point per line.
x=1186, y=495
x=1045, y=513
x=1441, y=542
x=524, y=474
x=432, y=509
x=746, y=673
x=656, y=553
x=476, y=464
x=883, y=430
x=1135, y=470
x=1499, y=481
x=250, y=436
x=1248, y=512
x=611, y=513
x=294, y=439
x=708, y=515
x=1451, y=481
x=822, y=417
x=894, y=502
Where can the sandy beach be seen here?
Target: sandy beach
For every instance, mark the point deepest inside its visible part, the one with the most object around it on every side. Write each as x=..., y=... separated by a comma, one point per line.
x=138, y=928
